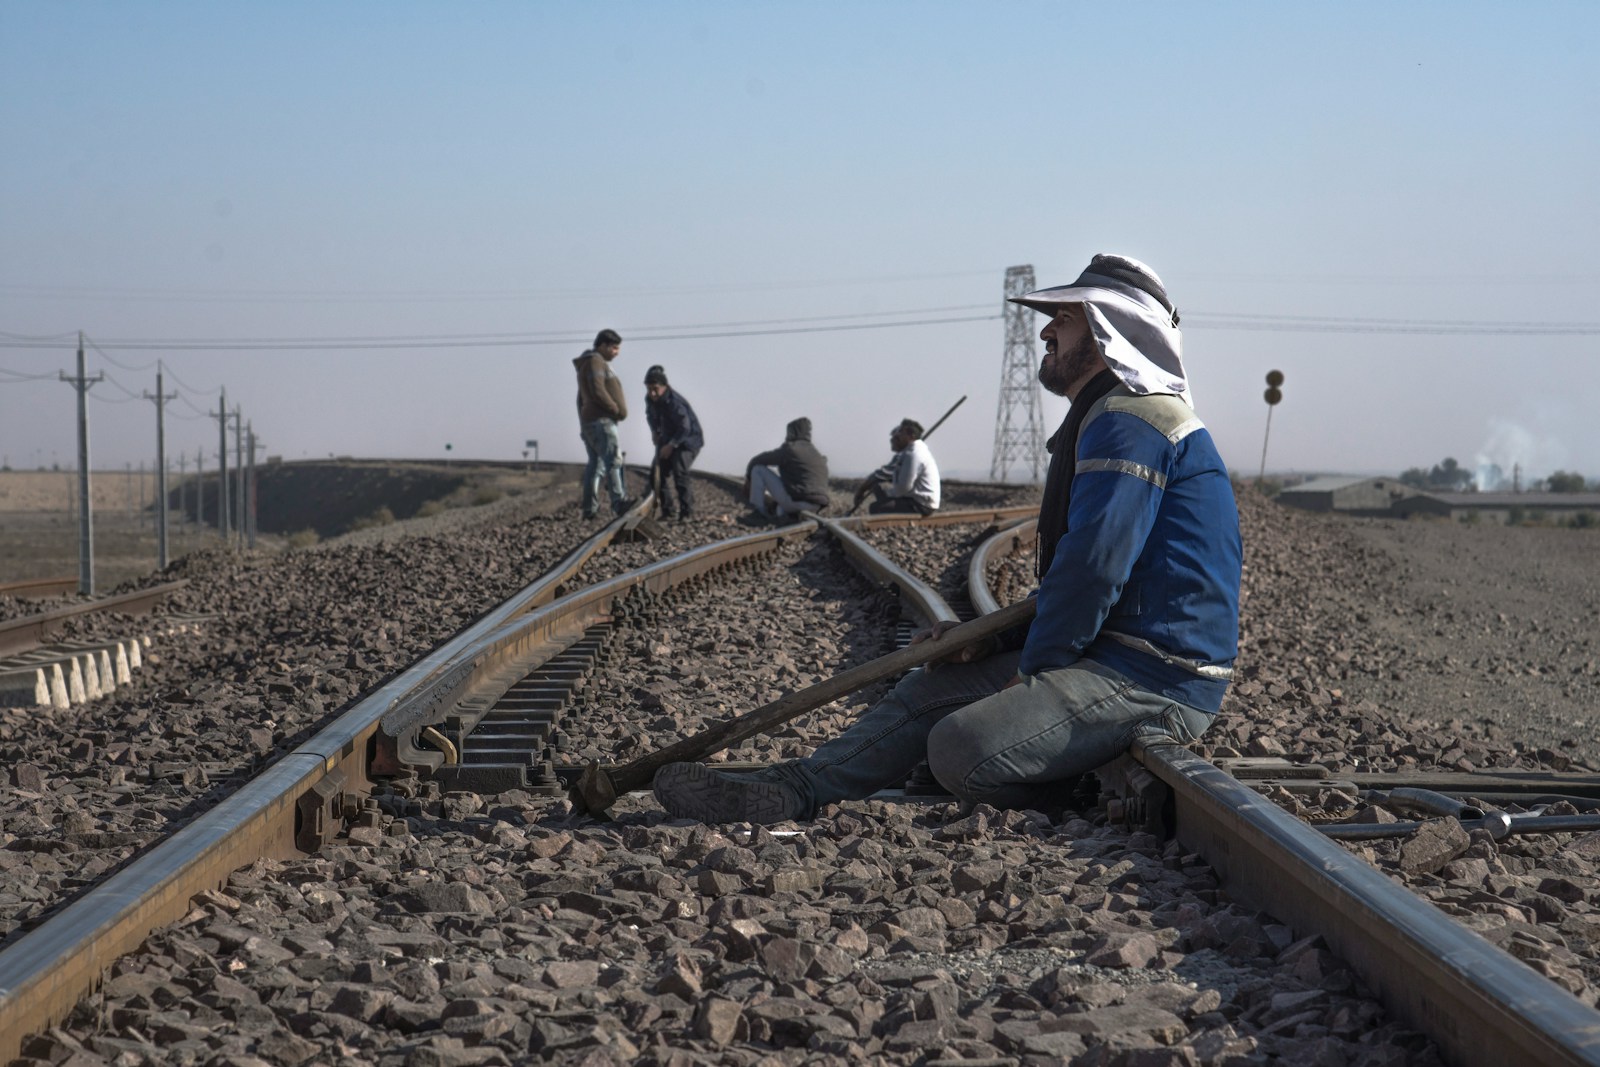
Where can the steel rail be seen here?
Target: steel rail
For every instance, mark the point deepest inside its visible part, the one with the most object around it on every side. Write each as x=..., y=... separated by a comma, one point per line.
x=921, y=600
x=539, y=634
x=1004, y=542
x=46, y=972
x=39, y=587
x=30, y=631
x=1482, y=1006
x=942, y=518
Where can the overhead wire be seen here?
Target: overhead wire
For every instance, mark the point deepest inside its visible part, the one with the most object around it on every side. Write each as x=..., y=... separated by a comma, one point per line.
x=564, y=336
x=500, y=341
x=414, y=296
x=798, y=325
x=21, y=376
x=115, y=362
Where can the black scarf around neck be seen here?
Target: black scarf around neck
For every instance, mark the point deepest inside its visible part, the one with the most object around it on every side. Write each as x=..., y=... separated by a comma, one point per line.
x=1063, y=449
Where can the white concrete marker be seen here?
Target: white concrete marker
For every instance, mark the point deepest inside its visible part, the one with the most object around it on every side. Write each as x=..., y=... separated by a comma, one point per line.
x=91, y=676
x=108, y=676
x=58, y=689
x=75, y=691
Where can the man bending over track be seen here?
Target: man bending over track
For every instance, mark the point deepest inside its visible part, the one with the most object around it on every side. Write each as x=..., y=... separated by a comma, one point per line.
x=1138, y=614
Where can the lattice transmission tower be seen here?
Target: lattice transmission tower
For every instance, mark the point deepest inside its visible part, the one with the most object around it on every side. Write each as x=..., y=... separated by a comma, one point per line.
x=1018, y=425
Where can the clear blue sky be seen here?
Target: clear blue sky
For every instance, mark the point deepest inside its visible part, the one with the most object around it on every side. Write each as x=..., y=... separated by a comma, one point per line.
x=237, y=172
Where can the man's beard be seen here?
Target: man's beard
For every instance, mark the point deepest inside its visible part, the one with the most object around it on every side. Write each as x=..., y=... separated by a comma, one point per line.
x=1059, y=374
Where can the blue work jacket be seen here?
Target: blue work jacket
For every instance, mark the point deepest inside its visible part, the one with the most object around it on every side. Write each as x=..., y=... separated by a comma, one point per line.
x=1146, y=578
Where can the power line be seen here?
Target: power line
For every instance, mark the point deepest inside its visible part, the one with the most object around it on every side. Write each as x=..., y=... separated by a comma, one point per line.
x=65, y=292
x=353, y=344
x=185, y=386
x=525, y=336
x=39, y=337
x=114, y=362
x=1436, y=329
x=126, y=391
x=19, y=376
x=711, y=331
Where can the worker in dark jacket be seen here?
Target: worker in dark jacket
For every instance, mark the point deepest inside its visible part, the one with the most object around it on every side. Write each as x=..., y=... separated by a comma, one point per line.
x=800, y=481
x=1138, y=600
x=676, y=434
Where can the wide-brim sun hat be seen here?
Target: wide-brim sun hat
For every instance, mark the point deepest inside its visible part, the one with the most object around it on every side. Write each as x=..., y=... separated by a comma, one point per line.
x=1131, y=317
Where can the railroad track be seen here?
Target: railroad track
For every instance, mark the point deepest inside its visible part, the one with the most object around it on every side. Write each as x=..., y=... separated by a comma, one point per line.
x=451, y=718
x=38, y=588
x=36, y=672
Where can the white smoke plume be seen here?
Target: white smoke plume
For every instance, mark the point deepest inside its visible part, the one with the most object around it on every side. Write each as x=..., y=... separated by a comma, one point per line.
x=1514, y=451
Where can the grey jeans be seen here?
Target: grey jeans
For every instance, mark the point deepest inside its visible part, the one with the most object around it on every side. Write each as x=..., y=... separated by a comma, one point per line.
x=1013, y=748
x=604, y=469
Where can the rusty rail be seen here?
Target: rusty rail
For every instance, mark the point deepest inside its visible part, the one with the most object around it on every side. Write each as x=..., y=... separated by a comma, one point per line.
x=30, y=631
x=1482, y=1006
x=34, y=588
x=301, y=799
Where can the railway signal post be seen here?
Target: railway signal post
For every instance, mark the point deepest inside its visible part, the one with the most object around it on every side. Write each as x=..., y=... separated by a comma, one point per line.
x=1272, y=396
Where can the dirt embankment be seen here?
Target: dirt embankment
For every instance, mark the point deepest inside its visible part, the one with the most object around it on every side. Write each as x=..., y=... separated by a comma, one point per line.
x=39, y=534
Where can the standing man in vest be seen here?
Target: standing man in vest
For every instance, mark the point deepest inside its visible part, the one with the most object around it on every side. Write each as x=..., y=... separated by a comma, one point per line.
x=1138, y=598
x=601, y=406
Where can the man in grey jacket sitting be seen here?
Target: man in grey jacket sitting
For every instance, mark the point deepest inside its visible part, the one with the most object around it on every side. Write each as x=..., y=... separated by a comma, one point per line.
x=789, y=479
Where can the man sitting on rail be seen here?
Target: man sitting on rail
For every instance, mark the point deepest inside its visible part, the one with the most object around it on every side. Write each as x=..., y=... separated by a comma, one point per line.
x=800, y=482
x=909, y=482
x=1138, y=598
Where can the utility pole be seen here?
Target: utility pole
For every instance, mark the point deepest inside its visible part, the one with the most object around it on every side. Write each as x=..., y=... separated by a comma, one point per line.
x=183, y=488
x=250, y=493
x=161, y=399
x=1018, y=424
x=238, y=469
x=221, y=415
x=85, y=516
x=200, y=487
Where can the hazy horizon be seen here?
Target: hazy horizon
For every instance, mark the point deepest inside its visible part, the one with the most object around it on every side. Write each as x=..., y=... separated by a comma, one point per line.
x=388, y=228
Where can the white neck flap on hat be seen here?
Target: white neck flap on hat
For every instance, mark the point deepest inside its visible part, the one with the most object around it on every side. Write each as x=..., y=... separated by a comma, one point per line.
x=1137, y=334
x=1139, y=342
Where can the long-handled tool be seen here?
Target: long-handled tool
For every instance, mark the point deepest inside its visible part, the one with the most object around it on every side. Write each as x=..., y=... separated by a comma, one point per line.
x=925, y=435
x=598, y=787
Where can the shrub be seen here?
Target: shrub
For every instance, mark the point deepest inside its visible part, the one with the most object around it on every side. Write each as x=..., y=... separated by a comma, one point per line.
x=1516, y=516
x=1585, y=520
x=1470, y=518
x=303, y=539
x=486, y=495
x=381, y=517
x=430, y=508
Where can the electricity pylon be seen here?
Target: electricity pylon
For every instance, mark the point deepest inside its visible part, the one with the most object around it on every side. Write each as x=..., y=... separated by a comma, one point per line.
x=1018, y=424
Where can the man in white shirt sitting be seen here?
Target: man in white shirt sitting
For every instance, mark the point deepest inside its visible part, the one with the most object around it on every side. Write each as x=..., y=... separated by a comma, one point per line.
x=909, y=482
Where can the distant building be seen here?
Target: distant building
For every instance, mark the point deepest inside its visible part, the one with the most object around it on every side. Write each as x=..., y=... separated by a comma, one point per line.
x=1349, y=495
x=1389, y=498
x=1501, y=507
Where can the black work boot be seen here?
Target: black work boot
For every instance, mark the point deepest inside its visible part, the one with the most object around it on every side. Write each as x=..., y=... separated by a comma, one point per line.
x=695, y=791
